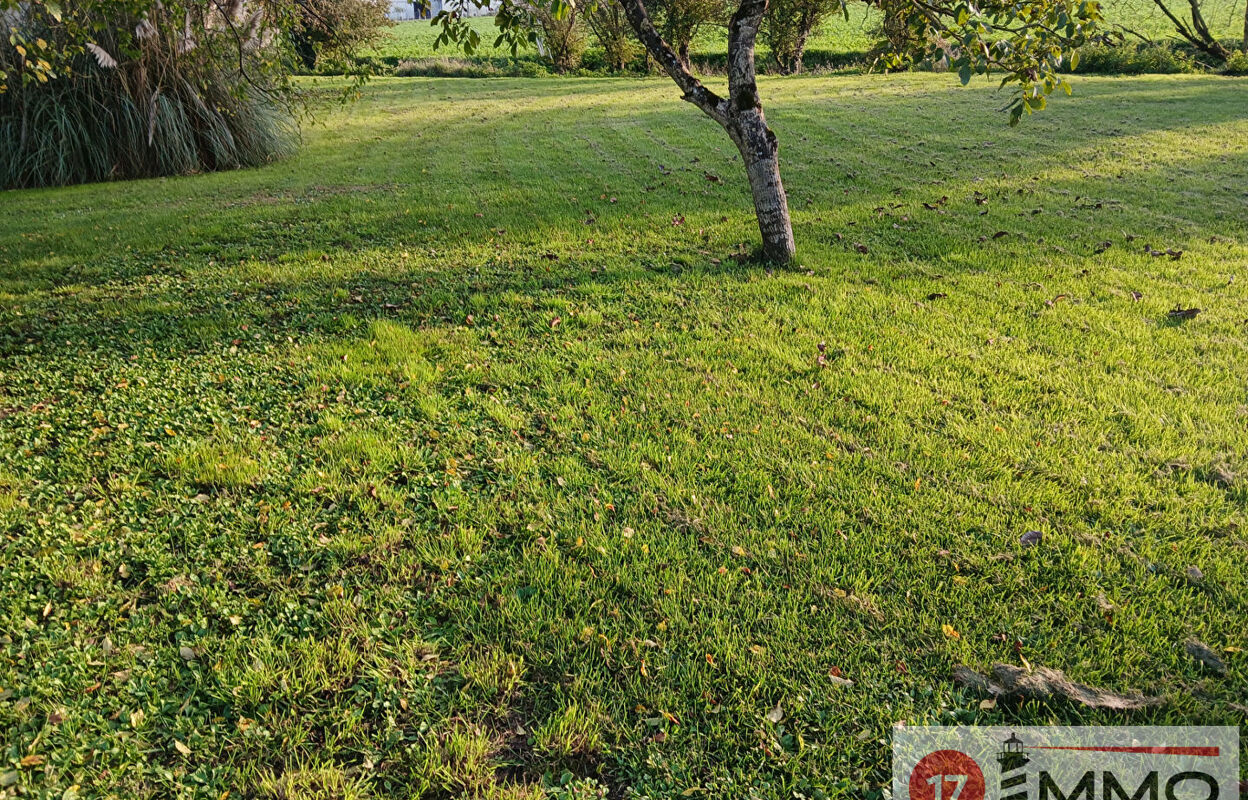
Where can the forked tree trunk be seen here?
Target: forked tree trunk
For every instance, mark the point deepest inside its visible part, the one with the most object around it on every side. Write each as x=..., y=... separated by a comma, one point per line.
x=740, y=114
x=1198, y=34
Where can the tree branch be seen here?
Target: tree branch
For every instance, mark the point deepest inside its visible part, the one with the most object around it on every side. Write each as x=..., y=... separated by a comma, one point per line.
x=711, y=104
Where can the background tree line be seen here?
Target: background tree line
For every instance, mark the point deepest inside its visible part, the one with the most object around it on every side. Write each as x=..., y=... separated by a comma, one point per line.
x=100, y=89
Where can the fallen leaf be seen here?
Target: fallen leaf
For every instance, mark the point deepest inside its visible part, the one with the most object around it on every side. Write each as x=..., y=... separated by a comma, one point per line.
x=775, y=715
x=950, y=631
x=181, y=748
x=1031, y=538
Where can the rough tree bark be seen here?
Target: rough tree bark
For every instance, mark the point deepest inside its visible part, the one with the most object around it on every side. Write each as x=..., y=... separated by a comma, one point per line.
x=740, y=114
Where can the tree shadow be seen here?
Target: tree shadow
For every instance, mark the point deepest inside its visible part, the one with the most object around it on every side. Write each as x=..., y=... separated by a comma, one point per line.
x=501, y=187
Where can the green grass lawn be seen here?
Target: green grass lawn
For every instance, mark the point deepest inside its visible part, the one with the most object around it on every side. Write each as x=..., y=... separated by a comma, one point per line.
x=461, y=451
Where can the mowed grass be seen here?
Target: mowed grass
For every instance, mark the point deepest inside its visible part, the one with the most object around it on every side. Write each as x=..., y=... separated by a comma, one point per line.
x=466, y=453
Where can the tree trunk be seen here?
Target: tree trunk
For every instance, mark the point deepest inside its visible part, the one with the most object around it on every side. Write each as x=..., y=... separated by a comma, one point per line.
x=748, y=128
x=1244, y=44
x=760, y=152
x=741, y=115
x=1198, y=35
x=683, y=55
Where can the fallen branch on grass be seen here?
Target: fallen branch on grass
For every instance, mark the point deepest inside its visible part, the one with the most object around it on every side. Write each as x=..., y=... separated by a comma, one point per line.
x=1011, y=683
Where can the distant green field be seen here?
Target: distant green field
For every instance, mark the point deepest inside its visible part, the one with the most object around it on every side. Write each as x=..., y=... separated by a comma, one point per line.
x=414, y=40
x=411, y=40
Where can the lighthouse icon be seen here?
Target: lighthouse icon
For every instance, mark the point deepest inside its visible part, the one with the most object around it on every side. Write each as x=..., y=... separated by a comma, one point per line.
x=1012, y=760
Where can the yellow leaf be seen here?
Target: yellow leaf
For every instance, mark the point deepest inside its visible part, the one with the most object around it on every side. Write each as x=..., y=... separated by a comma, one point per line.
x=950, y=631
x=181, y=748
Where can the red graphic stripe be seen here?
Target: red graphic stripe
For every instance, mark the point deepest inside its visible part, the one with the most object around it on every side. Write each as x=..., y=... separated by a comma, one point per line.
x=1161, y=750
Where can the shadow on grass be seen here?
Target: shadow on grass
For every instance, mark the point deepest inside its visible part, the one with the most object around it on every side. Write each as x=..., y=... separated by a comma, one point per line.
x=486, y=183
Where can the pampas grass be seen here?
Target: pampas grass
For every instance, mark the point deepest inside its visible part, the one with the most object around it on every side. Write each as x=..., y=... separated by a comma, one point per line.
x=146, y=105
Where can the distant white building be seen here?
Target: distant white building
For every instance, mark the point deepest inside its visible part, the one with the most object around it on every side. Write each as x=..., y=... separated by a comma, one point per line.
x=406, y=9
